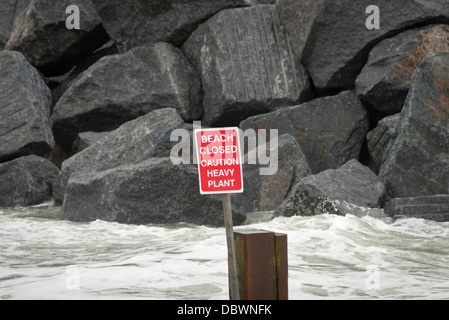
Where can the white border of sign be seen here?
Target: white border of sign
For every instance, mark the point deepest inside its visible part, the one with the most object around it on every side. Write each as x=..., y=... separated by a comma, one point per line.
x=199, y=164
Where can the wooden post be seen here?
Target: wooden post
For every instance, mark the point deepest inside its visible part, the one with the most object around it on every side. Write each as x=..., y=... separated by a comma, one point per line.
x=234, y=293
x=281, y=266
x=262, y=265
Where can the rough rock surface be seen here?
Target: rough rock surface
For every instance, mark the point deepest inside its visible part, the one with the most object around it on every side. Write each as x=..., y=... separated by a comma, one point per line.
x=297, y=17
x=153, y=191
x=331, y=190
x=26, y=181
x=25, y=100
x=264, y=193
x=339, y=42
x=145, y=137
x=120, y=88
x=86, y=139
x=290, y=151
x=329, y=130
x=379, y=139
x=136, y=22
x=268, y=184
x=417, y=159
x=385, y=80
x=434, y=208
x=59, y=84
x=246, y=64
x=40, y=33
x=148, y=72
x=6, y=20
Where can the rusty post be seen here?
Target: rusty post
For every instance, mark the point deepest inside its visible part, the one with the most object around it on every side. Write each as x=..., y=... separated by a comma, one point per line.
x=281, y=266
x=262, y=265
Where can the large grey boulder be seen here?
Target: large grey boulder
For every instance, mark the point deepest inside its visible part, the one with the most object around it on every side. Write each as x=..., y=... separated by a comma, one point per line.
x=136, y=22
x=153, y=191
x=385, y=80
x=39, y=31
x=246, y=64
x=334, y=191
x=330, y=130
x=59, y=84
x=268, y=184
x=379, y=138
x=339, y=42
x=26, y=181
x=120, y=88
x=289, y=151
x=434, y=208
x=133, y=142
x=417, y=159
x=25, y=101
x=297, y=17
x=264, y=192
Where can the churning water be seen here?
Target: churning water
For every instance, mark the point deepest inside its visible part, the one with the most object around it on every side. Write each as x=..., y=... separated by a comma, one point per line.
x=330, y=257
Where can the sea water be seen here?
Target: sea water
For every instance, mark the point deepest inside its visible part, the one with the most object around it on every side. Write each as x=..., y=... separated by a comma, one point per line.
x=330, y=257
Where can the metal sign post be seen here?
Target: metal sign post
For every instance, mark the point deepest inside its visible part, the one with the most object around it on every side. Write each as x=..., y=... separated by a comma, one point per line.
x=220, y=172
x=232, y=263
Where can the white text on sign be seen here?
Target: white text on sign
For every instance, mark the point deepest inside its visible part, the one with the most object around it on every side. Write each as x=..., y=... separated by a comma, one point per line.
x=220, y=166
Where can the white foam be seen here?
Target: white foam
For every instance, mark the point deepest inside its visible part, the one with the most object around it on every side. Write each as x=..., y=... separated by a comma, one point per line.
x=329, y=257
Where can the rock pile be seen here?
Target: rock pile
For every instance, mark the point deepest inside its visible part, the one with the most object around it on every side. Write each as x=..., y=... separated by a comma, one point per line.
x=362, y=114
x=330, y=130
x=329, y=191
x=120, y=88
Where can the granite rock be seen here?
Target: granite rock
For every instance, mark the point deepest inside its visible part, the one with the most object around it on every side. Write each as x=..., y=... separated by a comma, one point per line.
x=26, y=181
x=145, y=137
x=417, y=159
x=25, y=101
x=137, y=22
x=122, y=87
x=332, y=190
x=330, y=130
x=153, y=191
x=86, y=139
x=297, y=17
x=434, y=208
x=6, y=20
x=39, y=31
x=246, y=64
x=385, y=80
x=379, y=138
x=339, y=42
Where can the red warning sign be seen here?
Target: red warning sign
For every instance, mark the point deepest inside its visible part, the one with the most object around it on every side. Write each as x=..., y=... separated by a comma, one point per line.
x=219, y=160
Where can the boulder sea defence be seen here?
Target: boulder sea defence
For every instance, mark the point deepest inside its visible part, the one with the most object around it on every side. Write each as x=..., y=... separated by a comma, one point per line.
x=119, y=88
x=152, y=191
x=358, y=116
